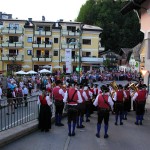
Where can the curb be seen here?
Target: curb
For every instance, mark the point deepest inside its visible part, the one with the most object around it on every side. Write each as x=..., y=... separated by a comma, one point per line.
x=15, y=133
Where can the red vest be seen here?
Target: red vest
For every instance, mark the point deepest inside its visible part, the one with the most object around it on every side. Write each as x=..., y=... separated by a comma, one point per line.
x=92, y=90
x=81, y=92
x=57, y=96
x=141, y=96
x=101, y=101
x=128, y=95
x=43, y=100
x=120, y=96
x=72, y=99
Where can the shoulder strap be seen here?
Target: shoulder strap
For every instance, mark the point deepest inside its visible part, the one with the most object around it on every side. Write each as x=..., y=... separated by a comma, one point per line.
x=106, y=101
x=71, y=100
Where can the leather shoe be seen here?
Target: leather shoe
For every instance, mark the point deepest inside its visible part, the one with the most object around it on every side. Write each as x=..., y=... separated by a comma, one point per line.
x=97, y=135
x=106, y=136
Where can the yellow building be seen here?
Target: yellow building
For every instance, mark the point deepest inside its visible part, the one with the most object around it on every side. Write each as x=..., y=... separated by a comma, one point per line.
x=39, y=43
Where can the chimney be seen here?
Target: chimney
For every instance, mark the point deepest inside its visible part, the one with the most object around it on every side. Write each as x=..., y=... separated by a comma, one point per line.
x=43, y=18
x=30, y=19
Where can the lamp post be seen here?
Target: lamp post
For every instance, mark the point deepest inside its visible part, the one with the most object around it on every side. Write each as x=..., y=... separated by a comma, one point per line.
x=77, y=42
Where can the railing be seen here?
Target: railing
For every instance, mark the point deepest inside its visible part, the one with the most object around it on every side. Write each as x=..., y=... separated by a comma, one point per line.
x=10, y=57
x=16, y=114
x=42, y=58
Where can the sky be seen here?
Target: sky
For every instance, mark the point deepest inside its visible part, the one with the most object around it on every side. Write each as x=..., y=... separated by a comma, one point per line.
x=53, y=10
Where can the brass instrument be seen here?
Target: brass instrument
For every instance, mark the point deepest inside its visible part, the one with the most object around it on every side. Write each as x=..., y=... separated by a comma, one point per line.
x=134, y=88
x=114, y=85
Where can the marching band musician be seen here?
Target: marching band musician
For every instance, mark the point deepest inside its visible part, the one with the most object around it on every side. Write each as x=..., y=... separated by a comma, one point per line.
x=119, y=96
x=140, y=97
x=88, y=103
x=58, y=94
x=127, y=102
x=81, y=108
x=72, y=98
x=45, y=114
x=104, y=103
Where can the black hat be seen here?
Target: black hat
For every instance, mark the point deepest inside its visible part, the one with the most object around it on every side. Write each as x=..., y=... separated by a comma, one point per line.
x=120, y=86
x=104, y=88
x=144, y=86
x=126, y=86
x=58, y=82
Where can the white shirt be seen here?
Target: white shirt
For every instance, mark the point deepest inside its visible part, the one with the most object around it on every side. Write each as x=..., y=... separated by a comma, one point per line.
x=111, y=103
x=48, y=100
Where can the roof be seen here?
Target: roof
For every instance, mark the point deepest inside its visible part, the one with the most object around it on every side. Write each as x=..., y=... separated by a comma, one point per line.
x=133, y=4
x=91, y=27
x=136, y=52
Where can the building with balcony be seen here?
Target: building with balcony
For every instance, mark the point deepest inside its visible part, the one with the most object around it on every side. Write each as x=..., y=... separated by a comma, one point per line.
x=39, y=43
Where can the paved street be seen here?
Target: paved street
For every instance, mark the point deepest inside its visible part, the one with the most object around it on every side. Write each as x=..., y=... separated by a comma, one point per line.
x=126, y=137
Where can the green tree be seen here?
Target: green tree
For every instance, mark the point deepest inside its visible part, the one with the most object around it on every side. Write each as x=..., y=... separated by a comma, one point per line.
x=119, y=31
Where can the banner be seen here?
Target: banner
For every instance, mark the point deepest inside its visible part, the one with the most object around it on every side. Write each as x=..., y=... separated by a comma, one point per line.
x=68, y=58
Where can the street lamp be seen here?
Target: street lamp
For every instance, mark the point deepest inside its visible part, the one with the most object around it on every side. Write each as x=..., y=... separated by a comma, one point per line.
x=79, y=55
x=77, y=42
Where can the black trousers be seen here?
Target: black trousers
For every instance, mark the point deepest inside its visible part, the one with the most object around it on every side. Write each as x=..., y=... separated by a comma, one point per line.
x=72, y=113
x=140, y=108
x=59, y=106
x=119, y=108
x=81, y=109
x=103, y=114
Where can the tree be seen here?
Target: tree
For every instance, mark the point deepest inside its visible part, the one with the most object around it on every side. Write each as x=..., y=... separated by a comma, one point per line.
x=119, y=31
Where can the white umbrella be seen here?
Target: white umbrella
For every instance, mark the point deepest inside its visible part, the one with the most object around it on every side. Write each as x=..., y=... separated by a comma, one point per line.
x=31, y=72
x=44, y=71
x=20, y=72
x=46, y=66
x=57, y=67
x=26, y=66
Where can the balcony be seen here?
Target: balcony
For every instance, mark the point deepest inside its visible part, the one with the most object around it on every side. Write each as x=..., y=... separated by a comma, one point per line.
x=70, y=33
x=74, y=59
x=44, y=45
x=14, y=30
x=92, y=59
x=101, y=49
x=43, y=33
x=42, y=58
x=65, y=45
x=14, y=44
x=12, y=57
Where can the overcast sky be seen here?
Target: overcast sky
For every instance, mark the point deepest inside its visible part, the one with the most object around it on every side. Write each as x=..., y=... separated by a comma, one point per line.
x=53, y=10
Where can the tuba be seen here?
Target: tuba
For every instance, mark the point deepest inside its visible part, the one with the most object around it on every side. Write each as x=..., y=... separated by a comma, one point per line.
x=114, y=85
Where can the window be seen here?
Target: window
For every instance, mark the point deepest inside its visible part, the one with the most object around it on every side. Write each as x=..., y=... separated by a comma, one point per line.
x=29, y=52
x=86, y=41
x=86, y=54
x=55, y=40
x=143, y=59
x=29, y=40
x=71, y=28
x=13, y=52
x=55, y=53
x=13, y=39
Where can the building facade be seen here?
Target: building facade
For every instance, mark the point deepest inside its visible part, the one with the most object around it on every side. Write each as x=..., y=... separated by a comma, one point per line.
x=39, y=43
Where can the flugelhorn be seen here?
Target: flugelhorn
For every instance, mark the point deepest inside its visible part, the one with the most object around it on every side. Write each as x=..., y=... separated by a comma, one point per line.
x=114, y=85
x=134, y=88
